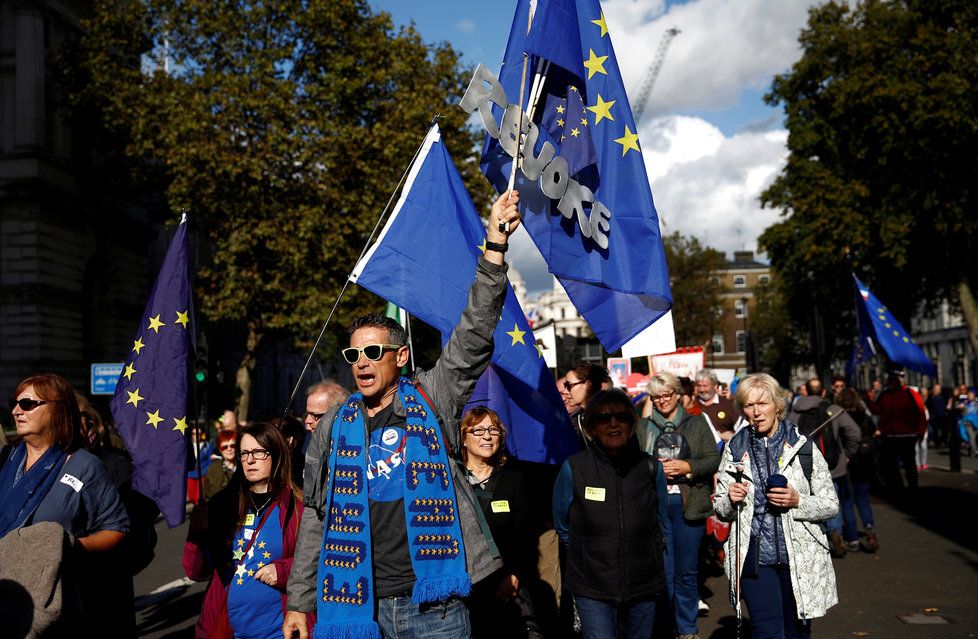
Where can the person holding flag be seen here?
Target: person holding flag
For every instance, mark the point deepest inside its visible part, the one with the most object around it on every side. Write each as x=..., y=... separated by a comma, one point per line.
x=404, y=541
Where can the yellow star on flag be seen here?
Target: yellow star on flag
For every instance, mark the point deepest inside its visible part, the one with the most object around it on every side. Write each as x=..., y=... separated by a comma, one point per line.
x=261, y=544
x=138, y=344
x=560, y=108
x=261, y=564
x=240, y=571
x=595, y=64
x=628, y=141
x=887, y=325
x=183, y=318
x=516, y=334
x=238, y=554
x=181, y=425
x=481, y=247
x=134, y=398
x=601, y=23
x=155, y=323
x=240, y=542
x=153, y=418
x=251, y=573
x=266, y=554
x=560, y=121
x=539, y=350
x=896, y=333
x=584, y=121
x=906, y=339
x=575, y=132
x=128, y=372
x=602, y=110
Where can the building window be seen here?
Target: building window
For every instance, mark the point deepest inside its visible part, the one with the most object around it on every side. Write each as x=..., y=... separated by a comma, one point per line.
x=741, y=341
x=740, y=308
x=740, y=281
x=718, y=310
x=763, y=279
x=718, y=344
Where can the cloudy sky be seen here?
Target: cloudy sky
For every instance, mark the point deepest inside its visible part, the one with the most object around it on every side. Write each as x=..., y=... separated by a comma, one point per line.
x=710, y=143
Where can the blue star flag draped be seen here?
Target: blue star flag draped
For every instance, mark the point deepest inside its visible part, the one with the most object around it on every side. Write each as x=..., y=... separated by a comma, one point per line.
x=624, y=288
x=424, y=261
x=877, y=326
x=150, y=401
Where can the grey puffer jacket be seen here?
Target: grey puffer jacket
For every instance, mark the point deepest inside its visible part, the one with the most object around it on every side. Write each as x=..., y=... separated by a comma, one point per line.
x=448, y=384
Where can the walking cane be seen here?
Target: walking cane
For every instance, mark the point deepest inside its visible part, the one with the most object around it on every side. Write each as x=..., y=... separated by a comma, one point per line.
x=738, y=476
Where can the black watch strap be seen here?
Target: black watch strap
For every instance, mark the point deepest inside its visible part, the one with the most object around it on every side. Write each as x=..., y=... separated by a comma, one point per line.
x=493, y=246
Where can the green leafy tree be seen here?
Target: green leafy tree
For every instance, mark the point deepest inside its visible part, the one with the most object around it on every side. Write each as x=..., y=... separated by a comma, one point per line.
x=696, y=290
x=882, y=114
x=282, y=128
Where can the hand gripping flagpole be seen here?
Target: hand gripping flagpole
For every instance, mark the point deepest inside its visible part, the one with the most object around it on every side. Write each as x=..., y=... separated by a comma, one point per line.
x=346, y=284
x=738, y=476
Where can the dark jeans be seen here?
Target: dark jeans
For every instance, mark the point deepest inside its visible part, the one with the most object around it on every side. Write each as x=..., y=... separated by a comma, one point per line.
x=681, y=561
x=861, y=492
x=605, y=620
x=400, y=618
x=844, y=520
x=895, y=451
x=771, y=605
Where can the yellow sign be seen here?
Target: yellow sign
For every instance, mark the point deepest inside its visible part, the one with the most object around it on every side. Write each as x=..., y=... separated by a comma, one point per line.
x=250, y=520
x=500, y=506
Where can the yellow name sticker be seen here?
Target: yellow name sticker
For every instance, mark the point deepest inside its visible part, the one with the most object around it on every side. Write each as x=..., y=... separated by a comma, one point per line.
x=594, y=494
x=500, y=506
x=250, y=520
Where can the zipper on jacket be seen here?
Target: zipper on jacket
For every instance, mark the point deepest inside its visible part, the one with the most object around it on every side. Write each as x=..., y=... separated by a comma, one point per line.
x=621, y=540
x=776, y=519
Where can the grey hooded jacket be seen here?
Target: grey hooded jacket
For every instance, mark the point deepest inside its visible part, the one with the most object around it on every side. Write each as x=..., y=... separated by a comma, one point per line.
x=448, y=384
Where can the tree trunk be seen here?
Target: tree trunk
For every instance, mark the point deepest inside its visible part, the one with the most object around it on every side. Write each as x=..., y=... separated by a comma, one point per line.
x=242, y=379
x=969, y=309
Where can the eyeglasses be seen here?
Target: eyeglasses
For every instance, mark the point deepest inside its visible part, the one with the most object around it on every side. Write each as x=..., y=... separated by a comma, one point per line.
x=373, y=352
x=663, y=398
x=479, y=432
x=570, y=385
x=26, y=403
x=622, y=417
x=228, y=447
x=318, y=416
x=259, y=454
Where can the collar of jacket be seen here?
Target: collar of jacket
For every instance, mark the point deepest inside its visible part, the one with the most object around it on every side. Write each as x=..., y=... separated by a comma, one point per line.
x=792, y=441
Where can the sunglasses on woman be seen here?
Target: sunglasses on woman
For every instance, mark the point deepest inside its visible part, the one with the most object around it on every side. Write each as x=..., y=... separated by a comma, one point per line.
x=373, y=352
x=26, y=403
x=622, y=417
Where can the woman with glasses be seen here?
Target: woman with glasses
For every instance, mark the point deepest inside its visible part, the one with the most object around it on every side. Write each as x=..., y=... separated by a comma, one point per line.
x=219, y=473
x=685, y=446
x=49, y=476
x=581, y=383
x=499, y=605
x=244, y=539
x=609, y=509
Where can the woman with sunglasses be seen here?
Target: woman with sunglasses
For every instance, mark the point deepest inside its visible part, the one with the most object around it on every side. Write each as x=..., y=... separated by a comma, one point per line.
x=685, y=446
x=581, y=383
x=499, y=605
x=49, y=476
x=219, y=473
x=609, y=510
x=244, y=539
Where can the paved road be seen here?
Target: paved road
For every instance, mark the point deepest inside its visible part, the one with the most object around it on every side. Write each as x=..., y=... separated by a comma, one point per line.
x=927, y=560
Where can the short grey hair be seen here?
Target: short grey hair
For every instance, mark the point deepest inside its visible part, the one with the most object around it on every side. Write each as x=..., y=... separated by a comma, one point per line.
x=706, y=373
x=664, y=382
x=767, y=385
x=333, y=391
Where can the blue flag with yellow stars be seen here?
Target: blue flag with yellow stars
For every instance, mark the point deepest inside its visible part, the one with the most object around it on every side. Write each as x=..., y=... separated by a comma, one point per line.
x=567, y=123
x=425, y=260
x=878, y=327
x=622, y=288
x=150, y=401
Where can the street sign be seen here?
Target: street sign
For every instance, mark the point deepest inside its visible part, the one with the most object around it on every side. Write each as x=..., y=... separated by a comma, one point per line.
x=104, y=378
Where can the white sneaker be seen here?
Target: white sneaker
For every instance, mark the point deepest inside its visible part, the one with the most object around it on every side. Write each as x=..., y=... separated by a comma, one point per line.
x=703, y=606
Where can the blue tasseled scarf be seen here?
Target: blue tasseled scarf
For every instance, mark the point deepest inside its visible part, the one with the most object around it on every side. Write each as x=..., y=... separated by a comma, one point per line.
x=346, y=604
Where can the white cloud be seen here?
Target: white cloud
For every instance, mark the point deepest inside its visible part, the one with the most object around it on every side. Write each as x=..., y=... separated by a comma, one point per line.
x=725, y=46
x=465, y=25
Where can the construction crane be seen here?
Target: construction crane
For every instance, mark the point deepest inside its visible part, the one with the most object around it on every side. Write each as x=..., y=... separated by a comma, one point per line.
x=653, y=73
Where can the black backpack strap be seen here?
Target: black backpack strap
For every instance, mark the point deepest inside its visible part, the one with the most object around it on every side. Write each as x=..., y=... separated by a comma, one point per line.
x=805, y=459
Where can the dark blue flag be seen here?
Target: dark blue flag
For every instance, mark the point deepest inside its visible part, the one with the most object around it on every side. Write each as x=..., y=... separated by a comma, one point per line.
x=878, y=327
x=424, y=261
x=150, y=402
x=622, y=288
x=566, y=122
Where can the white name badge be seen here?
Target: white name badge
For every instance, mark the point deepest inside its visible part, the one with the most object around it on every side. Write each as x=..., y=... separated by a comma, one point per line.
x=74, y=482
x=500, y=506
x=249, y=519
x=594, y=494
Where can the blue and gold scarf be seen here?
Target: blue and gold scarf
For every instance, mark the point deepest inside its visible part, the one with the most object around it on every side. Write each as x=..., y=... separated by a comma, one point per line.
x=345, y=575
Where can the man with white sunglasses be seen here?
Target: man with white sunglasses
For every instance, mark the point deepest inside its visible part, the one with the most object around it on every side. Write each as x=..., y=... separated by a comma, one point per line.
x=377, y=472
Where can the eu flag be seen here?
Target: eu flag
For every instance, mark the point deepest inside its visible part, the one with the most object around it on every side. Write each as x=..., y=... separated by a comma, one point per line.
x=622, y=289
x=877, y=326
x=424, y=261
x=150, y=401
